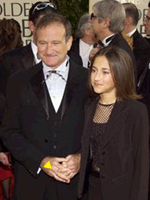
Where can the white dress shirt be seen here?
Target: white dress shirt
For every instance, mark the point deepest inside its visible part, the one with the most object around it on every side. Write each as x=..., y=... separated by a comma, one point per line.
x=56, y=82
x=84, y=51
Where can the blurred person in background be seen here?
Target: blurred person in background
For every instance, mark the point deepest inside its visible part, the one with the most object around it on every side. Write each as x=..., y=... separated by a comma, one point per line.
x=108, y=20
x=84, y=39
x=146, y=23
x=141, y=48
x=10, y=38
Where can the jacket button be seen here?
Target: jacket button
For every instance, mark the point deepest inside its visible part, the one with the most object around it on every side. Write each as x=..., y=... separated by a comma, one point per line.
x=103, y=153
x=102, y=163
x=55, y=147
x=46, y=141
x=102, y=176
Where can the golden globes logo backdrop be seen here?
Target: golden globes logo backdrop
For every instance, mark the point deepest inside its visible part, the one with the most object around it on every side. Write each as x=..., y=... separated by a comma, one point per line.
x=18, y=9
x=142, y=6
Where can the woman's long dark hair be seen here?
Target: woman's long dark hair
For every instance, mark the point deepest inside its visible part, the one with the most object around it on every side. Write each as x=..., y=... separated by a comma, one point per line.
x=121, y=67
x=10, y=35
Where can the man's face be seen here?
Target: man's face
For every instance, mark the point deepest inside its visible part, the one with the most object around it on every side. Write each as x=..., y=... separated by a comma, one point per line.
x=99, y=27
x=147, y=23
x=52, y=44
x=95, y=23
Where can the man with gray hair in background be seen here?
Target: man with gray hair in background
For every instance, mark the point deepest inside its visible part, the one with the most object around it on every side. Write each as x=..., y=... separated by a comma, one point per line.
x=84, y=39
x=108, y=20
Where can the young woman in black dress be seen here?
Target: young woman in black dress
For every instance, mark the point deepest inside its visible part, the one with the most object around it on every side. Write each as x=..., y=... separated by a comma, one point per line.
x=115, y=153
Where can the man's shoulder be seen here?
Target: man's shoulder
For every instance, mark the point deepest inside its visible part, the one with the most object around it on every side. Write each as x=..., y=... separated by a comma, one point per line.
x=140, y=41
x=16, y=52
x=119, y=41
x=24, y=75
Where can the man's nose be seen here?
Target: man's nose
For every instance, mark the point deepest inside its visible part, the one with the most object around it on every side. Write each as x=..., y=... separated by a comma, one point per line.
x=49, y=48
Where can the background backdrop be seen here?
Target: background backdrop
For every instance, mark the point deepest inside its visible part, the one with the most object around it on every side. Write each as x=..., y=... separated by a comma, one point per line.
x=18, y=9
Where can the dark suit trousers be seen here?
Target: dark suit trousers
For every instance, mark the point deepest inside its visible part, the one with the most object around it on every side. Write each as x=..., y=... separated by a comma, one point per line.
x=44, y=188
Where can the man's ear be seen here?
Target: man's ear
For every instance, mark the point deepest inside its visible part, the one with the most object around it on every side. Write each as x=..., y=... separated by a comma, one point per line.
x=69, y=43
x=87, y=31
x=106, y=22
x=31, y=26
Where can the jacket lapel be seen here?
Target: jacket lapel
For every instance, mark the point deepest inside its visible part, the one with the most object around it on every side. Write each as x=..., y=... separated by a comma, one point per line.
x=89, y=114
x=72, y=84
x=39, y=87
x=111, y=128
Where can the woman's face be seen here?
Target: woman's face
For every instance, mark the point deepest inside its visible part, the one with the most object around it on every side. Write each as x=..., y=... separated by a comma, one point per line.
x=101, y=77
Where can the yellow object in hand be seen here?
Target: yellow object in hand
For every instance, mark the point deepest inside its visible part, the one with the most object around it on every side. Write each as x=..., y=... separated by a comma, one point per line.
x=48, y=165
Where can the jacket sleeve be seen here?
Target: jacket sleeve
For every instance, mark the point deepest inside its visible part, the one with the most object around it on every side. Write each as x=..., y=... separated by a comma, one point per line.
x=140, y=138
x=4, y=74
x=15, y=141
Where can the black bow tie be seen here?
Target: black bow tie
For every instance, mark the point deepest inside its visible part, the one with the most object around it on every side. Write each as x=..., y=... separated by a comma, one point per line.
x=55, y=72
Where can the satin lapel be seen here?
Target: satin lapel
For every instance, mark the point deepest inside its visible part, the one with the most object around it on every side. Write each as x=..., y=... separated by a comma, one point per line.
x=71, y=85
x=28, y=58
x=115, y=39
x=112, y=128
x=89, y=114
x=40, y=89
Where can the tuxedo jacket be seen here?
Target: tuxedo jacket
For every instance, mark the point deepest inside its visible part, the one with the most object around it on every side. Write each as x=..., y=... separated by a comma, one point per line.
x=19, y=59
x=14, y=61
x=120, y=42
x=75, y=50
x=124, y=152
x=141, y=49
x=25, y=129
x=147, y=39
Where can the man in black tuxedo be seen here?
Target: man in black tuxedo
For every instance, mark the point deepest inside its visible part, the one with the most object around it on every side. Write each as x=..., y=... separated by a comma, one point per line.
x=146, y=23
x=25, y=57
x=141, y=47
x=44, y=117
x=22, y=58
x=84, y=39
x=107, y=20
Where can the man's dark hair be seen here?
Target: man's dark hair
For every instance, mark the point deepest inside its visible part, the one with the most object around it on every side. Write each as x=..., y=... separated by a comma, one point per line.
x=149, y=4
x=34, y=13
x=132, y=11
x=55, y=18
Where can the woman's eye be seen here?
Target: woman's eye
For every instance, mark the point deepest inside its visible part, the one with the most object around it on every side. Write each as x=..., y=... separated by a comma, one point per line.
x=93, y=70
x=106, y=72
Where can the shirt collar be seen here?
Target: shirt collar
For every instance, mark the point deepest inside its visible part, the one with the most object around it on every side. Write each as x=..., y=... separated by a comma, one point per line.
x=147, y=36
x=62, y=68
x=107, y=40
x=131, y=33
